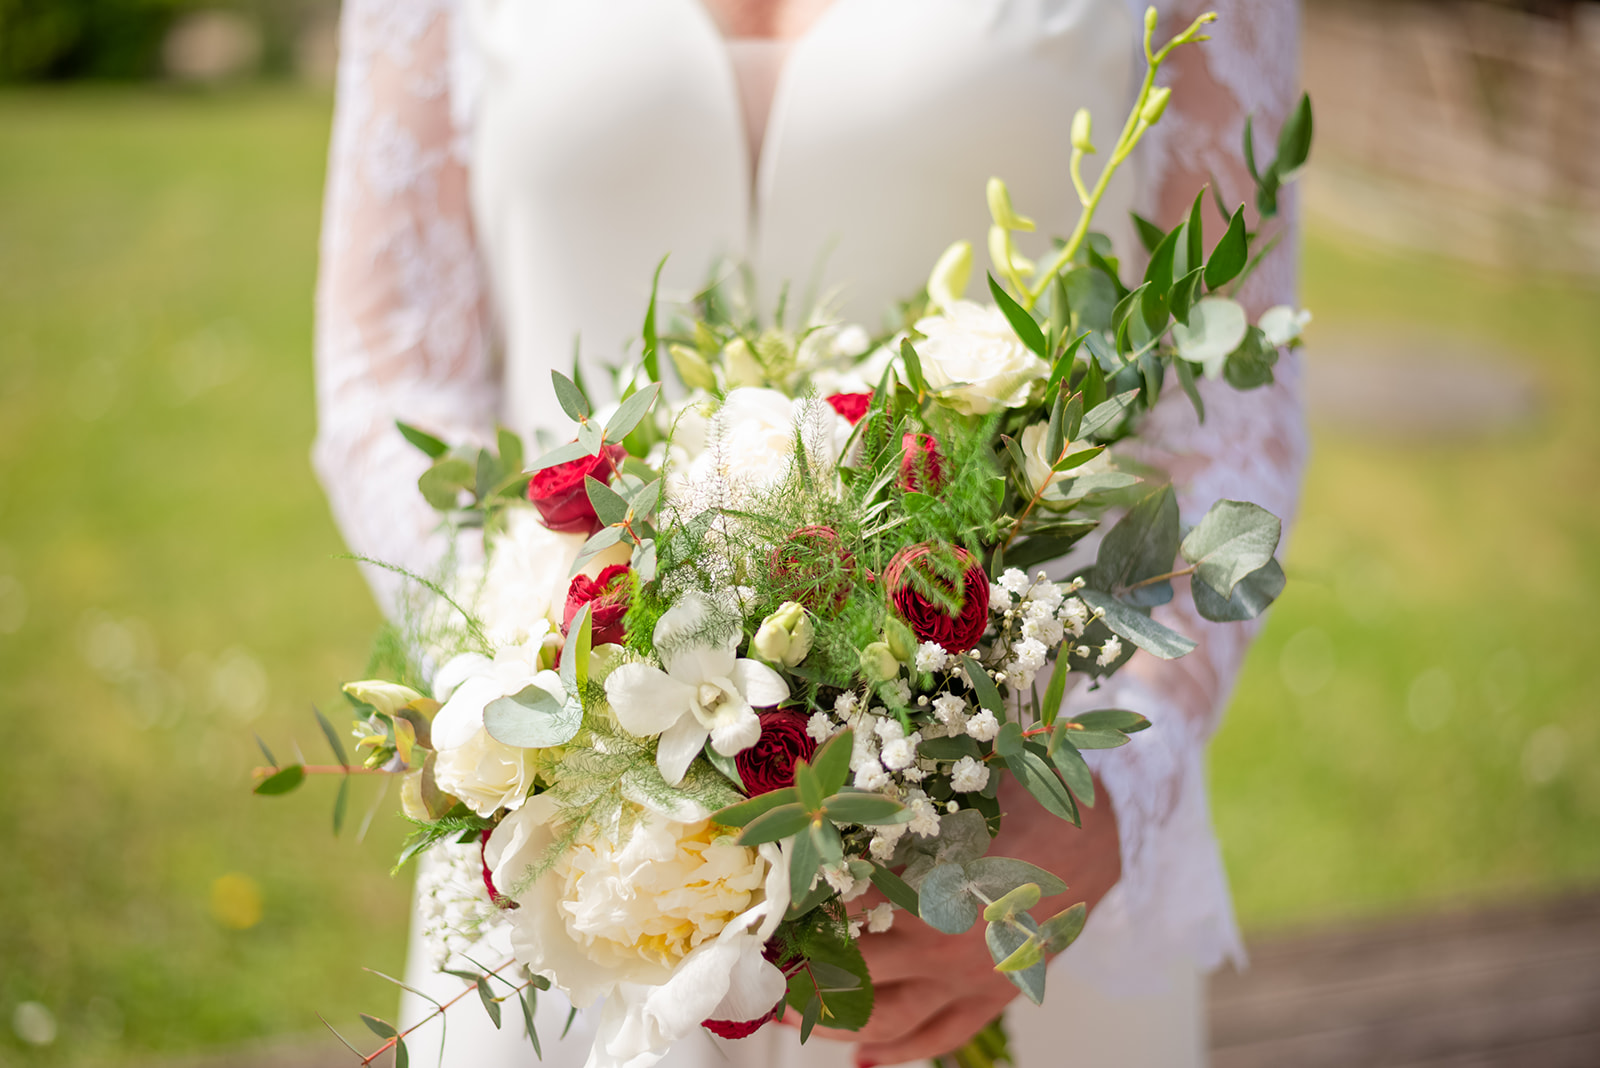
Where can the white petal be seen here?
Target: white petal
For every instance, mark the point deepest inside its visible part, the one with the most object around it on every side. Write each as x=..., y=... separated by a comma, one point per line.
x=462, y=716
x=694, y=664
x=737, y=728
x=761, y=686
x=678, y=747
x=458, y=670
x=755, y=985
x=646, y=699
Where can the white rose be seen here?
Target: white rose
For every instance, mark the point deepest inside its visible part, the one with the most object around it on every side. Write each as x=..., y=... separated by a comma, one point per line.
x=664, y=920
x=1039, y=465
x=484, y=772
x=974, y=344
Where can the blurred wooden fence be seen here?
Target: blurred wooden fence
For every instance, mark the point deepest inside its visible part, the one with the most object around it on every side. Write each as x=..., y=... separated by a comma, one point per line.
x=1464, y=126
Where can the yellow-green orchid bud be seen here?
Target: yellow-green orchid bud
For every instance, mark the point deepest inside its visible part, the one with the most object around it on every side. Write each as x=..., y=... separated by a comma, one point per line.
x=785, y=636
x=692, y=368
x=1001, y=211
x=1082, y=131
x=878, y=663
x=948, y=282
x=1003, y=254
x=1151, y=16
x=1155, y=106
x=387, y=697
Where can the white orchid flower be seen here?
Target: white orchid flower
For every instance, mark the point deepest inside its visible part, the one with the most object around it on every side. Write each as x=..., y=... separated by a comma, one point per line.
x=706, y=691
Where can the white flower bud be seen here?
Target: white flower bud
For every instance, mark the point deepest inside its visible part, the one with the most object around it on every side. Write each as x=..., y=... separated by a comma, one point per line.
x=878, y=664
x=785, y=636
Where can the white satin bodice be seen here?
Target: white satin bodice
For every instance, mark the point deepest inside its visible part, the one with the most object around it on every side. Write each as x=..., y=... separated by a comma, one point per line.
x=608, y=134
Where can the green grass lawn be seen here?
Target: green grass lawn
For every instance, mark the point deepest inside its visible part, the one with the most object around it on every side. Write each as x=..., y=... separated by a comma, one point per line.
x=1417, y=724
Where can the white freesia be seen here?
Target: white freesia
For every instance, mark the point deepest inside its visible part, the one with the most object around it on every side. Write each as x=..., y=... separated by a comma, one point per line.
x=972, y=348
x=1039, y=465
x=706, y=691
x=484, y=772
x=664, y=920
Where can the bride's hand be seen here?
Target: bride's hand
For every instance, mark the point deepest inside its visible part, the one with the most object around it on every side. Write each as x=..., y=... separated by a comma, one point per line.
x=935, y=991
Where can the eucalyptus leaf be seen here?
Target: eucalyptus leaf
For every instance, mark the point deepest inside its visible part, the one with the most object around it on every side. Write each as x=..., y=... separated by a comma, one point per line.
x=945, y=903
x=1249, y=599
x=570, y=397
x=994, y=876
x=441, y=484
x=1062, y=929
x=1142, y=545
x=952, y=748
x=742, y=813
x=805, y=859
x=1004, y=940
x=1115, y=719
x=832, y=761
x=784, y=821
x=1106, y=414
x=573, y=450
x=1069, y=762
x=896, y=889
x=1018, y=899
x=866, y=809
x=983, y=687
x=1233, y=539
x=608, y=504
x=532, y=718
x=631, y=411
x=1146, y=633
x=1216, y=328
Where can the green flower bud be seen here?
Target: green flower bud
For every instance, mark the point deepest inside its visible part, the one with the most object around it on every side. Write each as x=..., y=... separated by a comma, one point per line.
x=1001, y=211
x=1155, y=106
x=1151, y=15
x=902, y=643
x=786, y=636
x=692, y=368
x=878, y=663
x=949, y=279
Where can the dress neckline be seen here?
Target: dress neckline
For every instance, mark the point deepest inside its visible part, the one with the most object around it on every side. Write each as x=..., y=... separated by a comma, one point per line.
x=759, y=137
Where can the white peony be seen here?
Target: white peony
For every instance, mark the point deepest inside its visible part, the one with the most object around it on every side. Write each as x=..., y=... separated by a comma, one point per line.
x=706, y=691
x=972, y=348
x=664, y=920
x=750, y=443
x=485, y=773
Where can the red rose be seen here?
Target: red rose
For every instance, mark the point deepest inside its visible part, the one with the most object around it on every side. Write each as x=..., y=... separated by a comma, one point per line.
x=927, y=619
x=851, y=405
x=740, y=1028
x=921, y=465
x=607, y=598
x=813, y=567
x=499, y=900
x=561, y=496
x=769, y=764
x=746, y=1028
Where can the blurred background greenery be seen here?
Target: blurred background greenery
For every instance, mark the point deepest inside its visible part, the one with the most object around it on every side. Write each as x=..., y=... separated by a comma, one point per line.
x=1416, y=727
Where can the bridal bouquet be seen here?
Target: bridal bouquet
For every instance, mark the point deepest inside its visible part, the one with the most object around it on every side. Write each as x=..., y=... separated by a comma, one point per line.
x=741, y=653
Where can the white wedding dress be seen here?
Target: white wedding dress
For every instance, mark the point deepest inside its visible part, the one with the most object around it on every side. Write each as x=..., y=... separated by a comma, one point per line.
x=505, y=175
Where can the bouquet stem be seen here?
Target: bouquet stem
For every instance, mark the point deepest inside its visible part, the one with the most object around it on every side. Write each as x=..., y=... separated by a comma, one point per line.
x=985, y=1049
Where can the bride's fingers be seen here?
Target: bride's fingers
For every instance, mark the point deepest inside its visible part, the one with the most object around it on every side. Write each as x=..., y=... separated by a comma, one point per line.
x=945, y=1030
x=898, y=1010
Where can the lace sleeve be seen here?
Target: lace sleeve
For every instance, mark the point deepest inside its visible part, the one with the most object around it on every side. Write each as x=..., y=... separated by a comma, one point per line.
x=1172, y=900
x=401, y=330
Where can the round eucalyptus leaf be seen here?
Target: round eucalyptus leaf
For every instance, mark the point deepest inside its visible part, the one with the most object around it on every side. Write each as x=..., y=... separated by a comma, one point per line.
x=944, y=901
x=1216, y=327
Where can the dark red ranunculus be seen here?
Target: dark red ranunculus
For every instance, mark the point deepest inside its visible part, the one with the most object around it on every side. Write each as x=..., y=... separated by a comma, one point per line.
x=607, y=597
x=927, y=619
x=851, y=405
x=921, y=464
x=769, y=764
x=562, y=497
x=812, y=566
